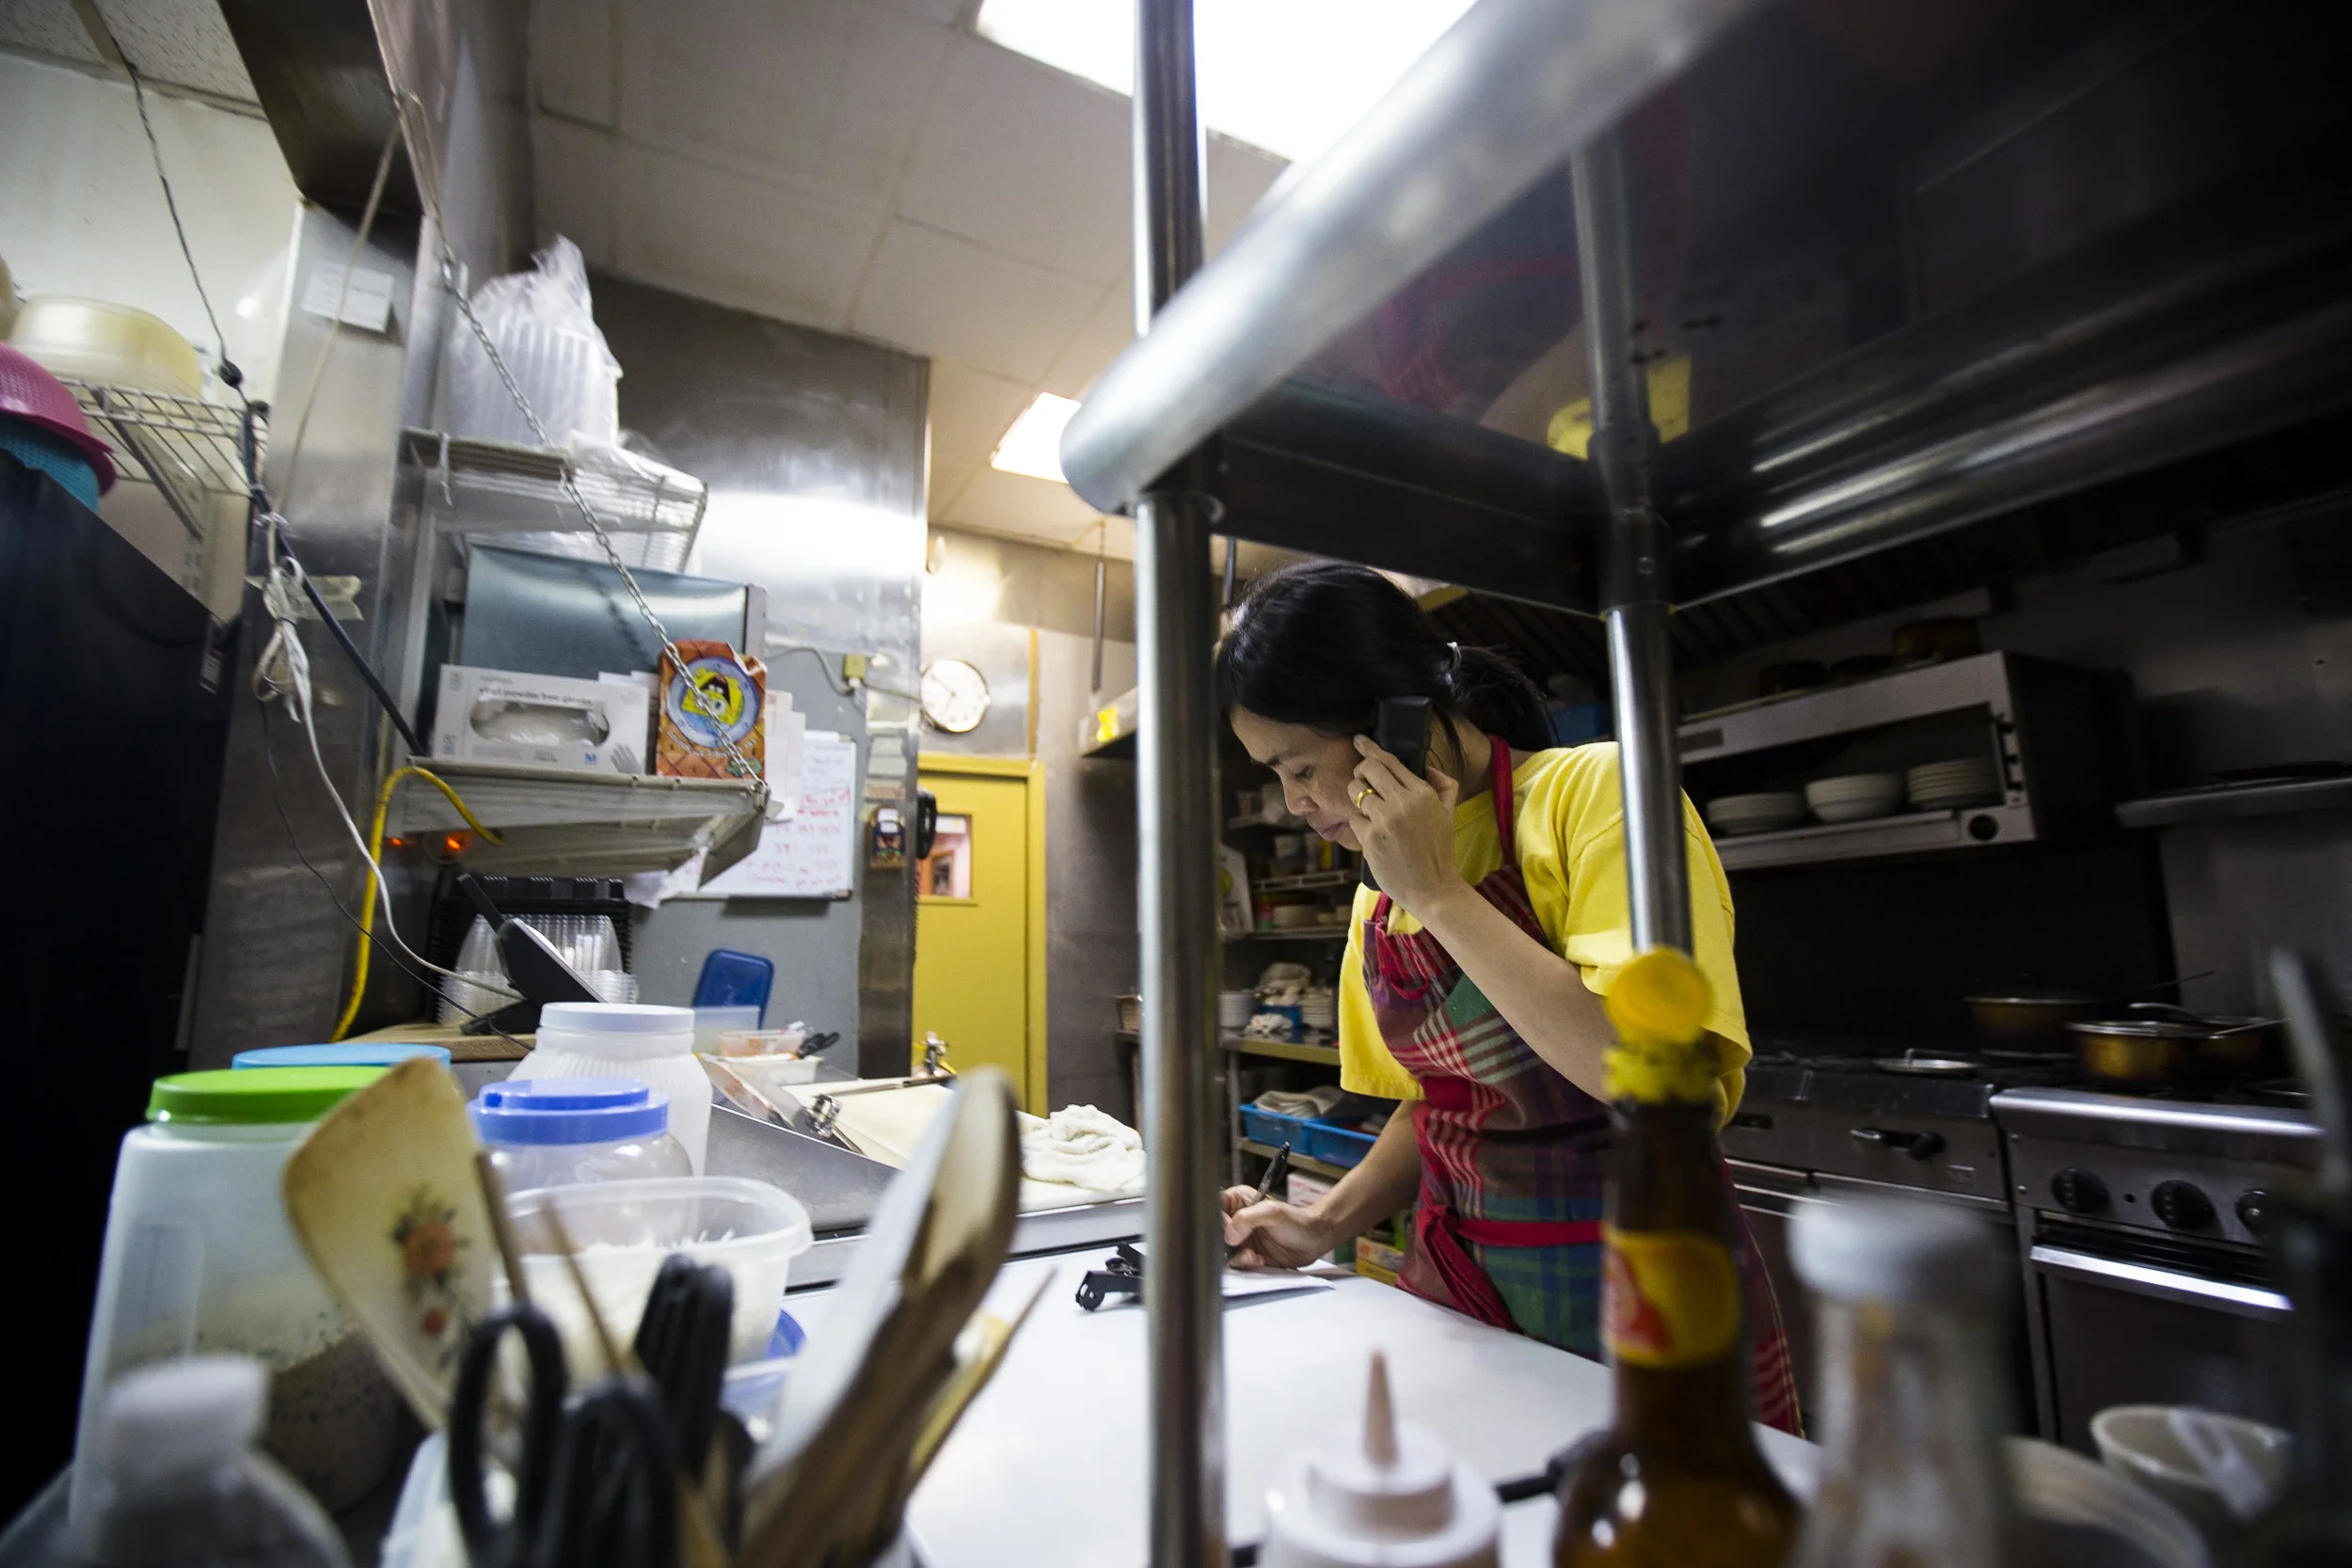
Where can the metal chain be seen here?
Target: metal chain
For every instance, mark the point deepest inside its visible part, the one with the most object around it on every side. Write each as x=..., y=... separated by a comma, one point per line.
x=737, y=763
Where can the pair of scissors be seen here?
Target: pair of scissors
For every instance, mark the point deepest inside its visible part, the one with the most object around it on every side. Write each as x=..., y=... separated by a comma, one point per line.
x=597, y=1482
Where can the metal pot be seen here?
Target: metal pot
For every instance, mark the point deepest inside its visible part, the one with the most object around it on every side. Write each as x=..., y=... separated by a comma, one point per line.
x=2242, y=1048
x=2147, y=1052
x=2031, y=1021
x=2168, y=1046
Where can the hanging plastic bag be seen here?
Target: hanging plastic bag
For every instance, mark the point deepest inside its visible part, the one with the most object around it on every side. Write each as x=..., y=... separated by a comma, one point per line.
x=547, y=334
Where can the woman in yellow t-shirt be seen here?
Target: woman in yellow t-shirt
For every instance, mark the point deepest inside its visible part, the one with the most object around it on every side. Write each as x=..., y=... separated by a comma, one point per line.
x=1470, y=990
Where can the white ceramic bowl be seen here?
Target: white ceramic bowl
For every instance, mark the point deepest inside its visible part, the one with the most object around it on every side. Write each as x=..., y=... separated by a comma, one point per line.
x=2137, y=1442
x=1855, y=797
x=1757, y=812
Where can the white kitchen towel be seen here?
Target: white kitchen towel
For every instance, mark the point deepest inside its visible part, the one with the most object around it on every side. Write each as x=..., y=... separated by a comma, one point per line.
x=1085, y=1147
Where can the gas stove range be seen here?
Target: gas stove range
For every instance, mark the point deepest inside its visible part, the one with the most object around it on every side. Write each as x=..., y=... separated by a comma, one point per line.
x=2191, y=1167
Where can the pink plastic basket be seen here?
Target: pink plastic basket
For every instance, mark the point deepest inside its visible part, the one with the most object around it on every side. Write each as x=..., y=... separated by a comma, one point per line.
x=34, y=396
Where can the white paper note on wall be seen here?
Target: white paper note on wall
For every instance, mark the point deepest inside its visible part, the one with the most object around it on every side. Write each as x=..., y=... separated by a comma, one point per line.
x=812, y=853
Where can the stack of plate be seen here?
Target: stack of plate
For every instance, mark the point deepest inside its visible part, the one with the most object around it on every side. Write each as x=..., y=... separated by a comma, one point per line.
x=1943, y=785
x=1764, y=813
x=1319, y=1010
x=1855, y=797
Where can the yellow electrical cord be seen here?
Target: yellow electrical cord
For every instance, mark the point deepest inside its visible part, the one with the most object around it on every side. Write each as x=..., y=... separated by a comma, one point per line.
x=376, y=857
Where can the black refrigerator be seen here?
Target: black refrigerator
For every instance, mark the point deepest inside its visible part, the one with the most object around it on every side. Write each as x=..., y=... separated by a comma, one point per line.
x=112, y=716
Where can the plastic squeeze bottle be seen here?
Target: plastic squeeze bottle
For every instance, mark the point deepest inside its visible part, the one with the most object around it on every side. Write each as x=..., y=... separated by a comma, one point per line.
x=1390, y=1493
x=181, y=1484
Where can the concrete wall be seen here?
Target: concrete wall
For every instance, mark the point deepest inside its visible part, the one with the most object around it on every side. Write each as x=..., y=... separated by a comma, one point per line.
x=81, y=213
x=1024, y=616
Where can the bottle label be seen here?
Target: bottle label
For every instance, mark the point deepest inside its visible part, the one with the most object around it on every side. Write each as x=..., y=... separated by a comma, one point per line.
x=1669, y=1298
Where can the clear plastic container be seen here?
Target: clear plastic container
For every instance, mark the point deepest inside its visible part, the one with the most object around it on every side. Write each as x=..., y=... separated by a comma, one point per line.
x=588, y=942
x=561, y=1132
x=624, y=1229
x=653, y=1045
x=199, y=1258
x=175, y=1483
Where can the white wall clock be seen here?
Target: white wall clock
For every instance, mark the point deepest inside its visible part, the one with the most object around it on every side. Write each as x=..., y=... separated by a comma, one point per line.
x=955, y=696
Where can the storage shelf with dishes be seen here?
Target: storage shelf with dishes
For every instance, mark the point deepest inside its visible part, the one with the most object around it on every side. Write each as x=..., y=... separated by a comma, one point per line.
x=1959, y=756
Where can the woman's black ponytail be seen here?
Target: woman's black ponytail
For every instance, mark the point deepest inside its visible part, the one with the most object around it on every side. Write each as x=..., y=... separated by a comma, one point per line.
x=1321, y=642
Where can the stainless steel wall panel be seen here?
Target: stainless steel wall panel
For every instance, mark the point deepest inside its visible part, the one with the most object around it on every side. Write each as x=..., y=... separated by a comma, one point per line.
x=813, y=447
x=275, y=950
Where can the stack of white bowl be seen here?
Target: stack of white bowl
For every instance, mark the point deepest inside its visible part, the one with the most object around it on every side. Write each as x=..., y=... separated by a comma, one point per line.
x=1855, y=797
x=1944, y=786
x=1767, y=812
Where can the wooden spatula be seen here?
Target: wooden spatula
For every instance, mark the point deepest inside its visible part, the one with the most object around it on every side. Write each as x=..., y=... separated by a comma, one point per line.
x=384, y=1198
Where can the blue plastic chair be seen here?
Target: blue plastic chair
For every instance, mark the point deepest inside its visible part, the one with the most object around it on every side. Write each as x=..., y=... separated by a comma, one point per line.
x=731, y=979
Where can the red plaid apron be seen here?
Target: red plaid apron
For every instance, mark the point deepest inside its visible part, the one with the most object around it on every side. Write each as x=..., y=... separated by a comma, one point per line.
x=1513, y=1156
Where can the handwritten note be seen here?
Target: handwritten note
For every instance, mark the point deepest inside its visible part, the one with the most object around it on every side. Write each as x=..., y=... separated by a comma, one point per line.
x=813, y=852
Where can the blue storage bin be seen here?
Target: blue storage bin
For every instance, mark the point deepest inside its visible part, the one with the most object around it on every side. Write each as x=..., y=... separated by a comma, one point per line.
x=1336, y=1144
x=1274, y=1129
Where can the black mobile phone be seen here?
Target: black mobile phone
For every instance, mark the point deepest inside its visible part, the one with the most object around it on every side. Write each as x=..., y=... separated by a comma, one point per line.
x=1401, y=728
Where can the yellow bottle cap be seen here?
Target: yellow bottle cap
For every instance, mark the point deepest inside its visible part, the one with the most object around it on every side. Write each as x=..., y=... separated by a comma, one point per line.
x=1661, y=998
x=1658, y=1004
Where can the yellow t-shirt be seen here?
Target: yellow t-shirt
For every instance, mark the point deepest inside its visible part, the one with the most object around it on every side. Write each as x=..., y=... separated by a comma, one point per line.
x=1569, y=828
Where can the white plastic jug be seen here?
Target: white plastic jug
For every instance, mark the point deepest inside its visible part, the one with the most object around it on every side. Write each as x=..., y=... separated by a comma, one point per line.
x=610, y=1039
x=198, y=1259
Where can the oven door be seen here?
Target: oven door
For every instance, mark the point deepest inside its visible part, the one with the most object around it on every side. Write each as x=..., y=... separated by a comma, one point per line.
x=1769, y=1197
x=2122, y=1319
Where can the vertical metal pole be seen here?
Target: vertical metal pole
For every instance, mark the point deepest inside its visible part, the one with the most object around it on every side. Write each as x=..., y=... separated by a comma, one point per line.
x=1175, y=800
x=1634, y=582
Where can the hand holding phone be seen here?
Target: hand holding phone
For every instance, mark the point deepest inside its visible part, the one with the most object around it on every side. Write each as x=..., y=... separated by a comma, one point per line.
x=1401, y=728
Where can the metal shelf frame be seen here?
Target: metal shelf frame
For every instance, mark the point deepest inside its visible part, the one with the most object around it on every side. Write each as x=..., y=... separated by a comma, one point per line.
x=2182, y=333
x=191, y=451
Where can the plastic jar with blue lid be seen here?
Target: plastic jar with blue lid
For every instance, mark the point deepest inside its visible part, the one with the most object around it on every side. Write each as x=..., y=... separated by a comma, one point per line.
x=556, y=1131
x=341, y=1054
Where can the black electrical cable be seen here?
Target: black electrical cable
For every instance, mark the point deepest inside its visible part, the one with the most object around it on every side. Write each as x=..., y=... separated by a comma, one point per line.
x=351, y=651
x=231, y=376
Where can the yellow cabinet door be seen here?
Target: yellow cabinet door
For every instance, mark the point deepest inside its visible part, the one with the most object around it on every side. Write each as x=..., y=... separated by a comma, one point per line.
x=974, y=924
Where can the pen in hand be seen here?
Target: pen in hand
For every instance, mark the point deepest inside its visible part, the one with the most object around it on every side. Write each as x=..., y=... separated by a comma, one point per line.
x=1276, y=1169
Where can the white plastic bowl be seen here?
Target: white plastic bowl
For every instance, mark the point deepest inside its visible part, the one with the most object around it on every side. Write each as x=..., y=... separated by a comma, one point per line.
x=624, y=1229
x=2137, y=1444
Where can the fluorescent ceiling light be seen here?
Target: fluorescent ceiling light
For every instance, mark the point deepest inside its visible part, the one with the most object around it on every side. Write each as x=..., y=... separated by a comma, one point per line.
x=1286, y=75
x=1033, y=445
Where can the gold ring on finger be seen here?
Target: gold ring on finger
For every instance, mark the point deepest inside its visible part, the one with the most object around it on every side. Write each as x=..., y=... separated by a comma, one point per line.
x=1362, y=796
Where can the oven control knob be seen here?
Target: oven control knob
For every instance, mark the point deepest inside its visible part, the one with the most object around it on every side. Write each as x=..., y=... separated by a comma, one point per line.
x=2250, y=1205
x=2181, y=1206
x=2079, y=1192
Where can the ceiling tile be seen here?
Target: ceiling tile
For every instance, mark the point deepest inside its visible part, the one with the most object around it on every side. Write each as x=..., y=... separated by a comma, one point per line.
x=185, y=42
x=572, y=170
x=733, y=241
x=1109, y=327
x=820, y=94
x=971, y=410
x=47, y=28
x=1015, y=504
x=571, y=58
x=1238, y=177
x=1026, y=160
x=944, y=297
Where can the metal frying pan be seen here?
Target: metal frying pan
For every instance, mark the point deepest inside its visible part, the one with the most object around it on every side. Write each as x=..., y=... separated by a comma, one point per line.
x=1915, y=1064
